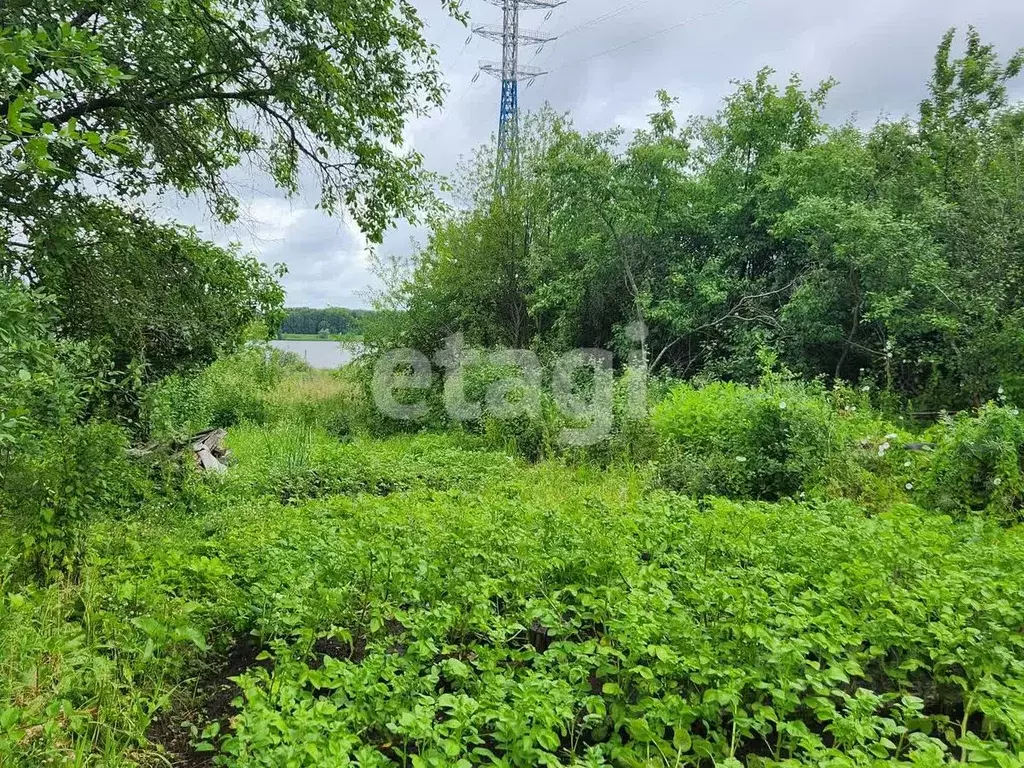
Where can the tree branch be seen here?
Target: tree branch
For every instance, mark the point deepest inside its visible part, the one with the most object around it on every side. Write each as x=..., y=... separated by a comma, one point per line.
x=113, y=102
x=733, y=312
x=29, y=78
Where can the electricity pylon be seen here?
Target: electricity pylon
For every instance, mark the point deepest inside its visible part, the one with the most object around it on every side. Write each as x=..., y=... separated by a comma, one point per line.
x=509, y=70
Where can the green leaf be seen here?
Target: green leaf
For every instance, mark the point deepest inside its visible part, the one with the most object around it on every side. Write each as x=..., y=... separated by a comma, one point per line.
x=456, y=668
x=14, y=111
x=195, y=637
x=150, y=626
x=681, y=740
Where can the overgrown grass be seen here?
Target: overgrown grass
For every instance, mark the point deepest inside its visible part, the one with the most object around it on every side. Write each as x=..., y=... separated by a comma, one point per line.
x=430, y=600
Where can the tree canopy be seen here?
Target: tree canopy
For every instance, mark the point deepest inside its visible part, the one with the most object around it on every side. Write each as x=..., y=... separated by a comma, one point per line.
x=103, y=105
x=891, y=255
x=172, y=93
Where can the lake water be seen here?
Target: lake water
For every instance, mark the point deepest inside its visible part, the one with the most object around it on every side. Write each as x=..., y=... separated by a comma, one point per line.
x=321, y=354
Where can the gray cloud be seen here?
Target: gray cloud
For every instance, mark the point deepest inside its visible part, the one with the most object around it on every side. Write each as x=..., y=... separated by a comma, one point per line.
x=880, y=51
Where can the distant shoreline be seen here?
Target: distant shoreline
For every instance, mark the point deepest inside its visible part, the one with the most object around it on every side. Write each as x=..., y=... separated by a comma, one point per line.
x=344, y=337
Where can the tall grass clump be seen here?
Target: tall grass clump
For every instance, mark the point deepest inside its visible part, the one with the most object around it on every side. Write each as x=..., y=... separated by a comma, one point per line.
x=232, y=390
x=329, y=400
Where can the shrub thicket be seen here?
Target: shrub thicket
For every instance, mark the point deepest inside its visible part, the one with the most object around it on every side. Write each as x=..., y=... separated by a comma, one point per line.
x=888, y=255
x=777, y=440
x=976, y=464
x=232, y=390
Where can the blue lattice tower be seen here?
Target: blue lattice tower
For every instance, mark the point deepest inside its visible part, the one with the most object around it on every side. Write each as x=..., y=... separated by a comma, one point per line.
x=510, y=72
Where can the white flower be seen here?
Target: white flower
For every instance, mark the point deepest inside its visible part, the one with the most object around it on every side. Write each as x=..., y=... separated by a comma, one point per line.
x=741, y=459
x=866, y=388
x=908, y=463
x=1000, y=390
x=1015, y=412
x=997, y=482
x=892, y=436
x=782, y=405
x=883, y=448
x=909, y=486
x=853, y=407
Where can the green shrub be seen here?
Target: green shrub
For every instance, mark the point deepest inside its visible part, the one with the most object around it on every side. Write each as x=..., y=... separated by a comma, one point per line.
x=725, y=439
x=177, y=407
x=534, y=433
x=532, y=436
x=45, y=383
x=366, y=418
x=871, y=463
x=57, y=469
x=236, y=387
x=232, y=390
x=633, y=439
x=529, y=430
x=977, y=463
x=67, y=479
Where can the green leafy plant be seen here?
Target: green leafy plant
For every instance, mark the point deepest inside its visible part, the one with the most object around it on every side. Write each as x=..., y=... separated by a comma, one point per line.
x=977, y=462
x=76, y=474
x=726, y=439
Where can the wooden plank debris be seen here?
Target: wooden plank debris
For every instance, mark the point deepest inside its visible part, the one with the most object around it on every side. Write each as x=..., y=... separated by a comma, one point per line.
x=209, y=462
x=209, y=450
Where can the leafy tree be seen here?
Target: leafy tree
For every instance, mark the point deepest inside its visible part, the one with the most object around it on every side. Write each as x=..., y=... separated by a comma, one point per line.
x=174, y=304
x=105, y=103
x=190, y=87
x=890, y=255
x=472, y=275
x=331, y=321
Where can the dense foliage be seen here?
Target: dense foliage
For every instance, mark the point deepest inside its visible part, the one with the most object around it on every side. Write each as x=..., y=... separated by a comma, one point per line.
x=106, y=104
x=105, y=308
x=136, y=95
x=342, y=599
x=888, y=255
x=758, y=564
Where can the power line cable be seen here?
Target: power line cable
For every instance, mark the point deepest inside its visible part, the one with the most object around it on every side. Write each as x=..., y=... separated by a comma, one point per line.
x=598, y=19
x=604, y=17
x=459, y=56
x=446, y=108
x=554, y=44
x=465, y=45
x=651, y=36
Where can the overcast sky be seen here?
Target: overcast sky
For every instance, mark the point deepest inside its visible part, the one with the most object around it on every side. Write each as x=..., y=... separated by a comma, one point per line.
x=605, y=68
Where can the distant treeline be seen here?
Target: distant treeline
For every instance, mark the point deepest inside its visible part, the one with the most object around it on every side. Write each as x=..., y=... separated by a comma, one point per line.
x=329, y=321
